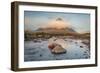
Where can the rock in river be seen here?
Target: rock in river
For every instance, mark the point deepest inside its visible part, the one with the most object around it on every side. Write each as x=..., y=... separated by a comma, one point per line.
x=56, y=48
x=52, y=46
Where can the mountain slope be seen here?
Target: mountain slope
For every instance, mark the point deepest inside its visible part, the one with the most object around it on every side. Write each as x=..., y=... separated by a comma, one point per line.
x=55, y=30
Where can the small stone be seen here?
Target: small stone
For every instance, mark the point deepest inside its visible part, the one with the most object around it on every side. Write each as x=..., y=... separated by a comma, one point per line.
x=40, y=55
x=81, y=46
x=85, y=52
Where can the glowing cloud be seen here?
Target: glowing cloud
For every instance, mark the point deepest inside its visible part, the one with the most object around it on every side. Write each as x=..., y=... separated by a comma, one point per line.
x=58, y=24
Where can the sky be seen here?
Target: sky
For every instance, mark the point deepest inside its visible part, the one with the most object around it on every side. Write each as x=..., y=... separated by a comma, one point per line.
x=33, y=20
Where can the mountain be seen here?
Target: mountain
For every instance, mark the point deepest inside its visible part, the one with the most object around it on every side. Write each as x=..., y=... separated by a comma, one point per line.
x=55, y=30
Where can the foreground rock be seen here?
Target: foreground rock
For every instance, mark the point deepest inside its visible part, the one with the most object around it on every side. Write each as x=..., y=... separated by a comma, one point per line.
x=52, y=46
x=56, y=48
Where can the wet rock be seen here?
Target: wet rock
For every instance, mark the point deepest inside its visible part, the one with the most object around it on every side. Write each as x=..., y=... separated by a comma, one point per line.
x=40, y=55
x=85, y=52
x=58, y=50
x=51, y=46
x=86, y=42
x=86, y=57
x=35, y=40
x=81, y=46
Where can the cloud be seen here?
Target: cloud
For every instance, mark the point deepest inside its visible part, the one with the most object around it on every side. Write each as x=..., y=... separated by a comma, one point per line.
x=58, y=24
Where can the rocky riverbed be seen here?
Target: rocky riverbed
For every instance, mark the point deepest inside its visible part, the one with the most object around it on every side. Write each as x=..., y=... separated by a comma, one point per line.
x=37, y=50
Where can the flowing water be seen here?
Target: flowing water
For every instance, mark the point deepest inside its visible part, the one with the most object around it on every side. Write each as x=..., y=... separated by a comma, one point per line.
x=37, y=49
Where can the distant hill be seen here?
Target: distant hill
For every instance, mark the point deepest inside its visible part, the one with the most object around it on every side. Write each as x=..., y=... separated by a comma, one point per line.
x=55, y=30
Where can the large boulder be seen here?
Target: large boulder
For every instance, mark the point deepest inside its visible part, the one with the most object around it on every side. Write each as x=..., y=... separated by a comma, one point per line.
x=56, y=48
